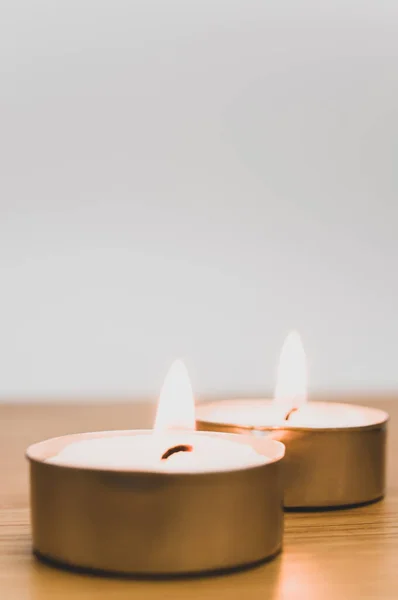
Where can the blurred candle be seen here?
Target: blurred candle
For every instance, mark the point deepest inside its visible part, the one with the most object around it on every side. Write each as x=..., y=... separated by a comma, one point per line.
x=325, y=441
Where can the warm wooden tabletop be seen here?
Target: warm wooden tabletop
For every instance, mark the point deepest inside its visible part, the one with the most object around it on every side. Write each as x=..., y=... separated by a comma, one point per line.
x=346, y=554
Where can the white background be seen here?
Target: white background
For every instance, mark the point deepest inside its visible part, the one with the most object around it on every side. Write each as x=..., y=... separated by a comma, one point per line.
x=195, y=178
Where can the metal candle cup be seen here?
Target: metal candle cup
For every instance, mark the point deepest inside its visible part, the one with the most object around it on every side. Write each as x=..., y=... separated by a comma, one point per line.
x=325, y=466
x=154, y=523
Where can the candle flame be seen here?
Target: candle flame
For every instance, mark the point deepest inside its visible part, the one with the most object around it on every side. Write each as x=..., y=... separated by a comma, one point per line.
x=292, y=376
x=176, y=407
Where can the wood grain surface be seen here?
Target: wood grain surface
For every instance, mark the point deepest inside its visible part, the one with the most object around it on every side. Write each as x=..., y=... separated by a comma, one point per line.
x=345, y=554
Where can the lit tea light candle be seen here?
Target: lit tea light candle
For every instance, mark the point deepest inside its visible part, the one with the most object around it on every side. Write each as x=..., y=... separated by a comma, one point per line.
x=335, y=452
x=135, y=501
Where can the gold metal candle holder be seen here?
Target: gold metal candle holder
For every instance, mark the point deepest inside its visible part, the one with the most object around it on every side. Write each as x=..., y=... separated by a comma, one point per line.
x=154, y=523
x=323, y=467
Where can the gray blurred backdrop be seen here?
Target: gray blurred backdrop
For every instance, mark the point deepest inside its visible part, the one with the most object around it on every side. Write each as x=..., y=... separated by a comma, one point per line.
x=194, y=179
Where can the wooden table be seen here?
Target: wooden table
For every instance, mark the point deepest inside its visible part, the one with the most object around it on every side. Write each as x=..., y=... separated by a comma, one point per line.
x=346, y=554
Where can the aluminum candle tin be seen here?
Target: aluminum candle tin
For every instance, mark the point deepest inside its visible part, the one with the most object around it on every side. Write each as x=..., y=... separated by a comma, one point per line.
x=153, y=523
x=324, y=467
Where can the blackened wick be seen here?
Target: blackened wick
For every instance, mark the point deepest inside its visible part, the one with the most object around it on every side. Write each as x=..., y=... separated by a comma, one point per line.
x=175, y=449
x=289, y=414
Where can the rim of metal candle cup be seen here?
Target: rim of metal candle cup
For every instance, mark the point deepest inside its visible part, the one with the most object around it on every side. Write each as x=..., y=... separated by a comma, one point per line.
x=155, y=523
x=324, y=467
x=384, y=417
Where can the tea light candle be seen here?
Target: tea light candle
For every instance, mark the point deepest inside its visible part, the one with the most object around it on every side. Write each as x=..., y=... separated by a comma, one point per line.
x=335, y=453
x=134, y=501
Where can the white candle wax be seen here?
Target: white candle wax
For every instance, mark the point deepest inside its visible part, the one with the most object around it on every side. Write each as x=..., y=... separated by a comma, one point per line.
x=269, y=413
x=143, y=451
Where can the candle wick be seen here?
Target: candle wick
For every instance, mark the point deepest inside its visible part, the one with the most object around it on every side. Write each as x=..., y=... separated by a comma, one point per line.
x=289, y=414
x=175, y=449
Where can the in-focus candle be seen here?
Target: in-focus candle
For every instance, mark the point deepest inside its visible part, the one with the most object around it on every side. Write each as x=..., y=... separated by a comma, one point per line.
x=171, y=500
